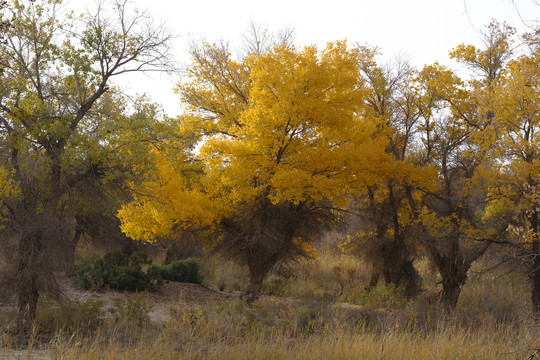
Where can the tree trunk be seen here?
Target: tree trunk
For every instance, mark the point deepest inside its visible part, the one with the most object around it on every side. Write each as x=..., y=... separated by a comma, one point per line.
x=399, y=258
x=257, y=273
x=70, y=269
x=28, y=279
x=535, y=277
x=535, y=273
x=452, y=285
x=453, y=269
x=252, y=291
x=374, y=277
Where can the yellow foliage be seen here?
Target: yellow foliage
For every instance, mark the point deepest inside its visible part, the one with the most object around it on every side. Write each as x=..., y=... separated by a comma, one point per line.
x=306, y=248
x=292, y=129
x=9, y=186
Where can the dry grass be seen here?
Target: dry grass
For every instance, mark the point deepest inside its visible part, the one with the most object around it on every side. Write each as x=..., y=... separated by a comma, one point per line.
x=201, y=337
x=322, y=312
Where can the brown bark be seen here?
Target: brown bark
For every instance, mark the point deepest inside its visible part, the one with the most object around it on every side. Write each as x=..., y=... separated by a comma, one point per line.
x=453, y=268
x=253, y=290
x=70, y=268
x=535, y=275
x=394, y=258
x=374, y=277
x=28, y=280
x=535, y=272
x=452, y=283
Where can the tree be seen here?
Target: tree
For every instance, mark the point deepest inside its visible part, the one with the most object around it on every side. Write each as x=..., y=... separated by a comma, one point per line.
x=513, y=183
x=58, y=119
x=458, y=134
x=94, y=201
x=284, y=135
x=384, y=233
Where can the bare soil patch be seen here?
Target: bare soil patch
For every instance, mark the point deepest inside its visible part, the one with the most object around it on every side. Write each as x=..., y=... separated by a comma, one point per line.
x=161, y=301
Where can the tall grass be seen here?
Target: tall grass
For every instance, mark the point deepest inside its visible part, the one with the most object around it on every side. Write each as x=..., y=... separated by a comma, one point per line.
x=199, y=334
x=318, y=310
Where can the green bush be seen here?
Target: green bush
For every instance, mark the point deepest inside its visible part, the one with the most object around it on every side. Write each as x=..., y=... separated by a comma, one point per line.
x=116, y=271
x=116, y=258
x=186, y=270
x=129, y=278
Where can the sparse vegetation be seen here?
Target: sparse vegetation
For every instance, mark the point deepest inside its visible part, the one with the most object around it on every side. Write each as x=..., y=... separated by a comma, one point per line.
x=492, y=321
x=132, y=310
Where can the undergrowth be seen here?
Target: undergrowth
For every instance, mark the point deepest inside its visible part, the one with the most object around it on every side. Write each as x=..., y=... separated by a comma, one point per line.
x=134, y=273
x=317, y=309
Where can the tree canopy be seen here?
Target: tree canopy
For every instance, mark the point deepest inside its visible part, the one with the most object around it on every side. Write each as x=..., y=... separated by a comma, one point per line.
x=62, y=122
x=284, y=129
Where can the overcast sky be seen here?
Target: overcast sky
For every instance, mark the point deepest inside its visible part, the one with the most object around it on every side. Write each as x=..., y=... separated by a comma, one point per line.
x=424, y=30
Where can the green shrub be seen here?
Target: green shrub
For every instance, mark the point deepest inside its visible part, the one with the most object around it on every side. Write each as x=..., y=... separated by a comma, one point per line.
x=116, y=271
x=186, y=270
x=115, y=258
x=139, y=260
x=129, y=278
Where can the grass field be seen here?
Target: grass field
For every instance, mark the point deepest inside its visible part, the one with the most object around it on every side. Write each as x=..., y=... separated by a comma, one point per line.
x=320, y=312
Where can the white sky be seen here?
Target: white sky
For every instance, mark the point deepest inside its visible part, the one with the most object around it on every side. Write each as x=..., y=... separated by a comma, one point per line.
x=425, y=30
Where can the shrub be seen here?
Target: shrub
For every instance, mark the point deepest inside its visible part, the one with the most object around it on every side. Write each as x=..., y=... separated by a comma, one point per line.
x=186, y=270
x=133, y=310
x=116, y=271
x=389, y=296
x=129, y=278
x=139, y=260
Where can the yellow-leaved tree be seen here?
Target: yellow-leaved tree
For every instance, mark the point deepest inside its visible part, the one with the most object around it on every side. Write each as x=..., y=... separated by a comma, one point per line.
x=514, y=198
x=283, y=134
x=385, y=231
x=458, y=133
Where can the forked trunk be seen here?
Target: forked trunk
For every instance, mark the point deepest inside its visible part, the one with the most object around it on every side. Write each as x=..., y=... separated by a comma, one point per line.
x=450, y=294
x=453, y=279
x=396, y=270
